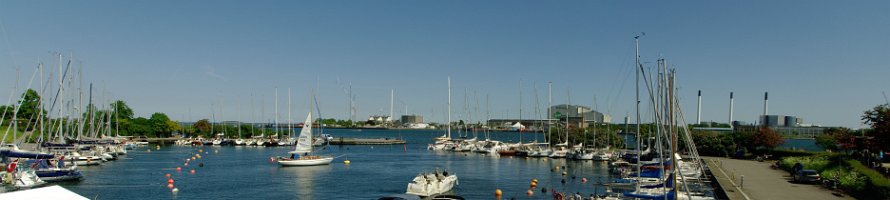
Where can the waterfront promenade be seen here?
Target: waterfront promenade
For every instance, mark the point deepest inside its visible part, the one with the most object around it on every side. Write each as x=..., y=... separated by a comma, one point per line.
x=762, y=182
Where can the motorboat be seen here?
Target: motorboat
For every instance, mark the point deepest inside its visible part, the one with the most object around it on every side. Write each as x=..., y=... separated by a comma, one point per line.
x=431, y=184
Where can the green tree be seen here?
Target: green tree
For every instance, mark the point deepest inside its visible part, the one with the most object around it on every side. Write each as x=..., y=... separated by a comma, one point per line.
x=30, y=105
x=121, y=110
x=879, y=120
x=835, y=139
x=141, y=126
x=159, y=122
x=203, y=126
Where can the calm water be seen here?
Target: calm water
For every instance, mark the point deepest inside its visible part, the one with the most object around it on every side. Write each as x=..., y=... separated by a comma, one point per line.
x=237, y=172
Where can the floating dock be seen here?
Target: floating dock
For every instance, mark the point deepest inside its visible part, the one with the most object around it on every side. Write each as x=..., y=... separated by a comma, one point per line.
x=365, y=141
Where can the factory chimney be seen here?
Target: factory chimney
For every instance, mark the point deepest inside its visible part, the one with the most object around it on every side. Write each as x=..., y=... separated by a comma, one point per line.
x=765, y=103
x=698, y=118
x=730, y=109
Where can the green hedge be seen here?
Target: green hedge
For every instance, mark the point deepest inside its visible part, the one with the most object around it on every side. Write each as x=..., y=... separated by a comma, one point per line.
x=818, y=163
x=781, y=153
x=877, y=187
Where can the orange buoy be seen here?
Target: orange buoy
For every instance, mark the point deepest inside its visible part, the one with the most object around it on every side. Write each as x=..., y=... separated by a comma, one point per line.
x=534, y=184
x=178, y=168
x=170, y=181
x=200, y=150
x=170, y=185
x=530, y=192
x=535, y=180
x=192, y=171
x=583, y=180
x=167, y=175
x=498, y=193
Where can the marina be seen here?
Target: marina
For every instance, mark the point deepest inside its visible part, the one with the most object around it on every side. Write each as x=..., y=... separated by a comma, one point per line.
x=444, y=100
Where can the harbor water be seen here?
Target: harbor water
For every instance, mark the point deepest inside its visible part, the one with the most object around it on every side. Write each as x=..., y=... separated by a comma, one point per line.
x=246, y=172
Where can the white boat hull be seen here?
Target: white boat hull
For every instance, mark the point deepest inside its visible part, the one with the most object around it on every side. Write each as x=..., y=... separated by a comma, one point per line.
x=306, y=162
x=431, y=184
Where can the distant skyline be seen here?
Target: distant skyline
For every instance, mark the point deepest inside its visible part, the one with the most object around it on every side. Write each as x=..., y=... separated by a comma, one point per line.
x=823, y=61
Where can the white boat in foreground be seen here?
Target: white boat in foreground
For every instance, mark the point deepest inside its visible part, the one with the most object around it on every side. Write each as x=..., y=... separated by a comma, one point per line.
x=429, y=184
x=301, y=155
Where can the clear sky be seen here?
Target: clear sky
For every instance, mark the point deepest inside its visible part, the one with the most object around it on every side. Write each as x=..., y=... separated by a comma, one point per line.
x=824, y=61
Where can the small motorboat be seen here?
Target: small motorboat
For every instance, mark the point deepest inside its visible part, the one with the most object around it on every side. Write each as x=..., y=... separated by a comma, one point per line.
x=431, y=184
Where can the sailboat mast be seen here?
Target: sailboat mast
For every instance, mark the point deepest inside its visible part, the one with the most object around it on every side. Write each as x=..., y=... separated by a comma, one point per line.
x=549, y=107
x=637, y=68
x=520, y=111
x=392, y=93
x=290, y=128
x=449, y=108
x=276, y=112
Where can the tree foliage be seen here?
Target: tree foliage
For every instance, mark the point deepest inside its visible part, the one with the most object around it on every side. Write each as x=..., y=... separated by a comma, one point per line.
x=768, y=138
x=879, y=120
x=121, y=110
x=159, y=121
x=836, y=139
x=203, y=126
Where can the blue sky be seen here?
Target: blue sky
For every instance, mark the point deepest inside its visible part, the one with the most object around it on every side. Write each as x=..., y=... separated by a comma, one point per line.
x=823, y=61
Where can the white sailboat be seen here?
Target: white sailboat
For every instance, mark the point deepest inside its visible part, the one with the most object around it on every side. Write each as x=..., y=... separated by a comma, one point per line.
x=300, y=156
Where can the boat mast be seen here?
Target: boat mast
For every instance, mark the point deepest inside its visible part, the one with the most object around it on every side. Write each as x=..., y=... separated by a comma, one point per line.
x=391, y=98
x=520, y=112
x=549, y=106
x=449, y=107
x=637, y=68
x=290, y=128
x=276, y=114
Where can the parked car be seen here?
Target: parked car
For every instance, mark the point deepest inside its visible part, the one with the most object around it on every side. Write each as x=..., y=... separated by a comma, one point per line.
x=807, y=176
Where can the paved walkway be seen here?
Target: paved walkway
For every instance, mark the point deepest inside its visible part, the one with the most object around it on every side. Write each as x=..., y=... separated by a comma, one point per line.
x=762, y=182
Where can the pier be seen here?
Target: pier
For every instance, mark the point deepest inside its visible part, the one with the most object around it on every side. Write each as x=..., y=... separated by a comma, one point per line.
x=366, y=141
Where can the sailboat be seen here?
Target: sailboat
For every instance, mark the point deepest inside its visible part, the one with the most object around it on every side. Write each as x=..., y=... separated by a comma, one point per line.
x=300, y=156
x=444, y=142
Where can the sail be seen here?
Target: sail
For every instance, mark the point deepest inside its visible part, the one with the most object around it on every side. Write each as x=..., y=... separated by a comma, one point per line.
x=304, y=141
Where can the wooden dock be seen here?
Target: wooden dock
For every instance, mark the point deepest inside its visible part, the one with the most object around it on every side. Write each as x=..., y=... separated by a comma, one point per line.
x=366, y=141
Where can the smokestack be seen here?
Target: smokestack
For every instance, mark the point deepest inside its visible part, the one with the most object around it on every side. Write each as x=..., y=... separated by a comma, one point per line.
x=765, y=103
x=730, y=109
x=698, y=118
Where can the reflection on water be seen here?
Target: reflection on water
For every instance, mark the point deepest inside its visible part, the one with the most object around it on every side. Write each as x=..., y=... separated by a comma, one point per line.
x=302, y=179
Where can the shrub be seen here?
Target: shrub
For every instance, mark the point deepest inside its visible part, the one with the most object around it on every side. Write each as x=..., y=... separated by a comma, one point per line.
x=818, y=163
x=878, y=186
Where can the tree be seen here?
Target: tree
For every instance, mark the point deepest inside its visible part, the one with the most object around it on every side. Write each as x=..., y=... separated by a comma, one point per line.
x=767, y=138
x=879, y=120
x=141, y=126
x=159, y=124
x=174, y=126
x=709, y=143
x=203, y=126
x=835, y=139
x=121, y=110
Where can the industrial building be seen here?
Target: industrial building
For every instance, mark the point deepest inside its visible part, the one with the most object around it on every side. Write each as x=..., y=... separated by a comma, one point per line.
x=411, y=119
x=576, y=111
